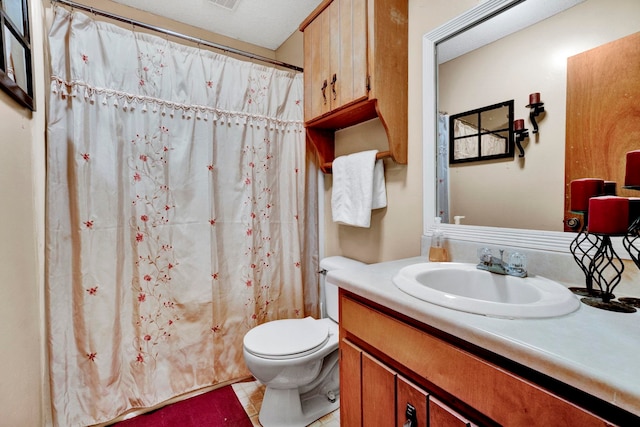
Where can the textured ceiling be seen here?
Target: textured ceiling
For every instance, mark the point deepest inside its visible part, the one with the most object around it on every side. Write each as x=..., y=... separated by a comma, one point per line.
x=266, y=23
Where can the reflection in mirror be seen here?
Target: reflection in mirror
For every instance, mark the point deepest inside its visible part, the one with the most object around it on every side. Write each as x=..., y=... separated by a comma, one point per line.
x=15, y=13
x=528, y=193
x=16, y=61
x=586, y=24
x=15, y=52
x=481, y=134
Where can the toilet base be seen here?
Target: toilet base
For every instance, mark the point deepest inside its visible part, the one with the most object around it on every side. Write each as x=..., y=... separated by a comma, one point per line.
x=300, y=412
x=291, y=408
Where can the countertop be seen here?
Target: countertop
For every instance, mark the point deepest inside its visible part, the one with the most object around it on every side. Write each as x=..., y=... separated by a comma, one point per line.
x=593, y=350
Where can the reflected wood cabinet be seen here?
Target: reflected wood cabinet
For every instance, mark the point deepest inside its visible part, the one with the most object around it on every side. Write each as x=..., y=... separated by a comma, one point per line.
x=355, y=69
x=387, y=362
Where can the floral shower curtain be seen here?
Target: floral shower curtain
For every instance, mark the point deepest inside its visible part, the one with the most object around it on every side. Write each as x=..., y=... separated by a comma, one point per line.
x=442, y=170
x=181, y=213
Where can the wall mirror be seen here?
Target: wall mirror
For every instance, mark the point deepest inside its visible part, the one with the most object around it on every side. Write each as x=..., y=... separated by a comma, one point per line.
x=481, y=134
x=15, y=60
x=590, y=26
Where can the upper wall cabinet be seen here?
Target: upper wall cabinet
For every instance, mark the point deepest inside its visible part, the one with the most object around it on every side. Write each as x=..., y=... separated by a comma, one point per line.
x=355, y=69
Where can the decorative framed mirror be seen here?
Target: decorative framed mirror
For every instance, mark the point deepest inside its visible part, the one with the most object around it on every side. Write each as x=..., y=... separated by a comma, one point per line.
x=482, y=134
x=468, y=33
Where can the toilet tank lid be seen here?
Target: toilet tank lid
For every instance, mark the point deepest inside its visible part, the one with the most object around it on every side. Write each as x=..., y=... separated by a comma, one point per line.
x=338, y=263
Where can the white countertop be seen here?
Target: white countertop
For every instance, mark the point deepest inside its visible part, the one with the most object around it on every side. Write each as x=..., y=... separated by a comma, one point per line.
x=593, y=350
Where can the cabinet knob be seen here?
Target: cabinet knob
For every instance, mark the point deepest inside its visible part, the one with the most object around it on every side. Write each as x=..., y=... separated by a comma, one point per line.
x=323, y=89
x=333, y=86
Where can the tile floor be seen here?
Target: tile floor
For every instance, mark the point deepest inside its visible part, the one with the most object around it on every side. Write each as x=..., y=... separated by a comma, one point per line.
x=250, y=395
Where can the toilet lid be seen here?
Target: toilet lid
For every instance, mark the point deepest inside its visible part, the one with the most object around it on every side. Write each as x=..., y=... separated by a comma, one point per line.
x=286, y=338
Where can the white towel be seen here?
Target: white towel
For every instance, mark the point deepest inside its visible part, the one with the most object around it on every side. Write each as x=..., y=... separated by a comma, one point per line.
x=358, y=187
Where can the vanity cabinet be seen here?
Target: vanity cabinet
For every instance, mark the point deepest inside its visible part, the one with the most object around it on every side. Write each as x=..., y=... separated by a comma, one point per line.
x=387, y=361
x=356, y=69
x=383, y=396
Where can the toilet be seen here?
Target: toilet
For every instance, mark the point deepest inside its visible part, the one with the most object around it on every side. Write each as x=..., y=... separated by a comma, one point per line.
x=297, y=360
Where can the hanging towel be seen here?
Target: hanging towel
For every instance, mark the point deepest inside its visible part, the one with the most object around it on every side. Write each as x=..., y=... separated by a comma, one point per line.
x=358, y=187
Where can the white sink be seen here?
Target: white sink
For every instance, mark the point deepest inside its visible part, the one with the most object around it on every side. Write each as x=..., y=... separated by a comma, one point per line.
x=463, y=287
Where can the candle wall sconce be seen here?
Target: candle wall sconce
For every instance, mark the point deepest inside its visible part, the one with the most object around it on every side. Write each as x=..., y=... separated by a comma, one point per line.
x=520, y=133
x=536, y=107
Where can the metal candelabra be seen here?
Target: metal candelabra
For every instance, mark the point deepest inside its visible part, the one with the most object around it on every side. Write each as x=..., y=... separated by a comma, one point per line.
x=601, y=266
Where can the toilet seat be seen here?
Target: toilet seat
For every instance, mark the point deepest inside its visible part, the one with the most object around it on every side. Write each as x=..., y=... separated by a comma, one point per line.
x=287, y=338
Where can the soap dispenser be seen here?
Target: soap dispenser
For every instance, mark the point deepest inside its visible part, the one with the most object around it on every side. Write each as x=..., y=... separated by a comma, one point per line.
x=437, y=251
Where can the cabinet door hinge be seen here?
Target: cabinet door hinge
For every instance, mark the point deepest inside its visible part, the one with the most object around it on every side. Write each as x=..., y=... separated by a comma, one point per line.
x=368, y=83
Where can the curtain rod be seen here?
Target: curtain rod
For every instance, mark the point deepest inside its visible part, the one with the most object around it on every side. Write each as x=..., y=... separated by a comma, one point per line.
x=178, y=35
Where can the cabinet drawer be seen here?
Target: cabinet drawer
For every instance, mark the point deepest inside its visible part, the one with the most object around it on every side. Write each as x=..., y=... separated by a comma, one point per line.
x=489, y=389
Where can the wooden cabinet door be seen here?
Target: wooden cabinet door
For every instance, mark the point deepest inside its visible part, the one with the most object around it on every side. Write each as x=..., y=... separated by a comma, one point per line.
x=350, y=384
x=348, y=62
x=408, y=393
x=378, y=394
x=440, y=415
x=335, y=60
x=316, y=66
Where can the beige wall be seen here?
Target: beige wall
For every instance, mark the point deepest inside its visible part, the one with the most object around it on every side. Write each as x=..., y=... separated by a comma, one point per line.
x=22, y=384
x=291, y=50
x=20, y=264
x=395, y=230
x=526, y=192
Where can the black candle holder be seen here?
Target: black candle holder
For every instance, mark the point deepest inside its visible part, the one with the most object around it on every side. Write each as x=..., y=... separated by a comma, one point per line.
x=606, y=271
x=631, y=241
x=520, y=135
x=536, y=109
x=583, y=248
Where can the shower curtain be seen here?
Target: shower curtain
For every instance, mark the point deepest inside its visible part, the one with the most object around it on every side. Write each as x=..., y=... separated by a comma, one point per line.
x=180, y=213
x=442, y=169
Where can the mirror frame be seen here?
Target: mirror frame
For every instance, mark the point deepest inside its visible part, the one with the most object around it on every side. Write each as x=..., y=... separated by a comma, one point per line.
x=554, y=241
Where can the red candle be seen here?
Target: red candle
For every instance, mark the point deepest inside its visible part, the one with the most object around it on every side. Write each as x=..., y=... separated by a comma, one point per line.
x=632, y=176
x=582, y=190
x=534, y=98
x=518, y=124
x=608, y=215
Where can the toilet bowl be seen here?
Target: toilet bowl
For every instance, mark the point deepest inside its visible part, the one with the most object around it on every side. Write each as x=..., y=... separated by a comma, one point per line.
x=297, y=360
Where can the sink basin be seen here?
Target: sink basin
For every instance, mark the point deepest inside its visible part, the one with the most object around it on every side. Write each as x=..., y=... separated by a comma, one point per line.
x=463, y=287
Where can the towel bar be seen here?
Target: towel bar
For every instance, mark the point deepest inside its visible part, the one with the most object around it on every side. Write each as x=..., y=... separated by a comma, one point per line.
x=380, y=155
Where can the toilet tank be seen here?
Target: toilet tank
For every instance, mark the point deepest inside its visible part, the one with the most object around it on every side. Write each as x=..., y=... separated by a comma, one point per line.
x=329, y=289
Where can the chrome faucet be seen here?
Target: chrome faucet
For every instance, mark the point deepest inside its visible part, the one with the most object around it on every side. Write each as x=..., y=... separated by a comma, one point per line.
x=515, y=267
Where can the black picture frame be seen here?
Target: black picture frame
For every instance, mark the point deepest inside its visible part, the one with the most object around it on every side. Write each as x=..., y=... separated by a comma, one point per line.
x=16, y=69
x=493, y=123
